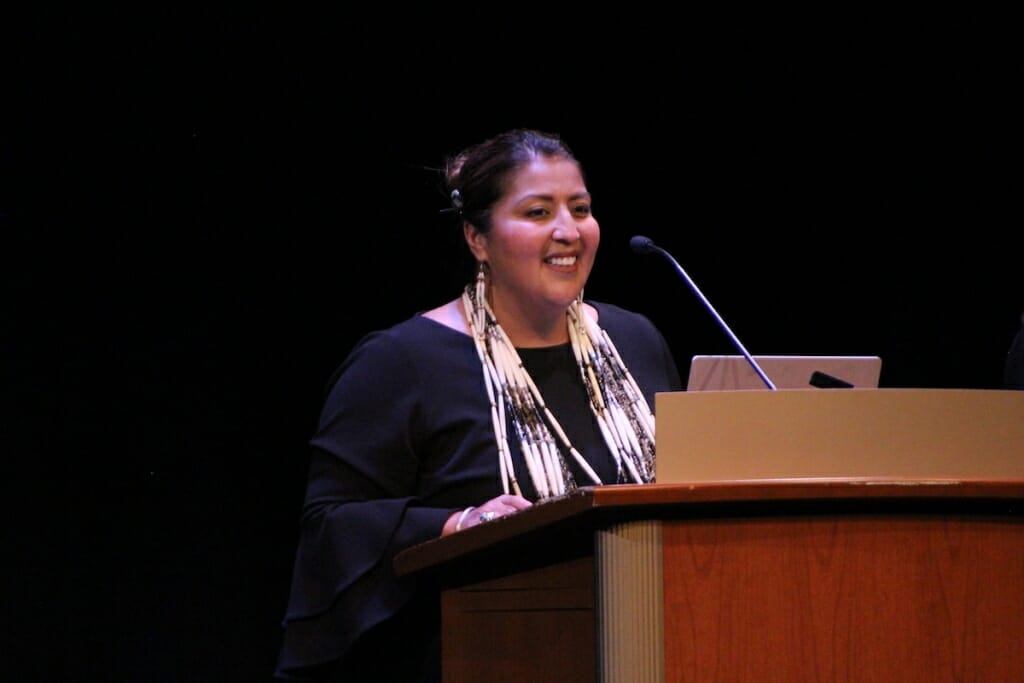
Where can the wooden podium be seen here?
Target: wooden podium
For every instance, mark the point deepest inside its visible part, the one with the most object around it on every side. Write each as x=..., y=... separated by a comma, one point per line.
x=845, y=574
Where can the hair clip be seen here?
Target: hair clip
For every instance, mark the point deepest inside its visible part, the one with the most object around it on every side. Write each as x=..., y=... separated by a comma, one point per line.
x=457, y=200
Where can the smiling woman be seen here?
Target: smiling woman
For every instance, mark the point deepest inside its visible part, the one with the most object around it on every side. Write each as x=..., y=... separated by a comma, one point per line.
x=516, y=391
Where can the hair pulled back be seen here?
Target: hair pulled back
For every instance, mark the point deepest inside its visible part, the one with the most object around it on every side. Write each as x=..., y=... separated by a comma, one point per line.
x=477, y=177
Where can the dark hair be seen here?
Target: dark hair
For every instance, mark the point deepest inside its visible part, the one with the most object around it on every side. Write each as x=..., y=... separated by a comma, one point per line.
x=477, y=177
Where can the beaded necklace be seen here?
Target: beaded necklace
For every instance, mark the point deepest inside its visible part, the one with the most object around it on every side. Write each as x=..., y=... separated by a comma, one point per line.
x=619, y=407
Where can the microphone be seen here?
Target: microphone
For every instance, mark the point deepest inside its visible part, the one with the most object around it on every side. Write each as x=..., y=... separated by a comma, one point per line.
x=645, y=245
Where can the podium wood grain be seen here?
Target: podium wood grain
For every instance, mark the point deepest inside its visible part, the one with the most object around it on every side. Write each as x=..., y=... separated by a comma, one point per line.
x=781, y=580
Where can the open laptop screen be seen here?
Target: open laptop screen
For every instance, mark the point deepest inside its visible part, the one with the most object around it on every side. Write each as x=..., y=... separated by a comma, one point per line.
x=725, y=373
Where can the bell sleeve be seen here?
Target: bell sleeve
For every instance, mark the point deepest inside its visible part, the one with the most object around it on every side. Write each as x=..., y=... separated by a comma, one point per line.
x=361, y=506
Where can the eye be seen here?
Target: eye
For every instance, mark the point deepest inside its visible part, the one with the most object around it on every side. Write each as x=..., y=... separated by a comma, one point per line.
x=581, y=210
x=537, y=212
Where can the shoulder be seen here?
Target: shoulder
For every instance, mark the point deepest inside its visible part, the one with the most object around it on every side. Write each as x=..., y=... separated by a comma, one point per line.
x=450, y=315
x=612, y=317
x=415, y=332
x=642, y=346
x=398, y=350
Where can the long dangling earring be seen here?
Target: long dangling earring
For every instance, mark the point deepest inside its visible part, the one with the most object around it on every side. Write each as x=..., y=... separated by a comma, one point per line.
x=481, y=282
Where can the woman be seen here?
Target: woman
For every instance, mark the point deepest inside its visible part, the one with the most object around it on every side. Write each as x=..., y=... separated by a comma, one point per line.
x=425, y=429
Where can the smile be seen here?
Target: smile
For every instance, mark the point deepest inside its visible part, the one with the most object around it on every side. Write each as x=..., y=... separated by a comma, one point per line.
x=561, y=260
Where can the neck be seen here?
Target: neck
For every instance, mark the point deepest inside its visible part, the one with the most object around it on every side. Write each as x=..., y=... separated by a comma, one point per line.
x=533, y=331
x=528, y=335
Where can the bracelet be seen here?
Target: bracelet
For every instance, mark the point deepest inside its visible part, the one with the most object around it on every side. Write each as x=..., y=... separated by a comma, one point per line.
x=462, y=517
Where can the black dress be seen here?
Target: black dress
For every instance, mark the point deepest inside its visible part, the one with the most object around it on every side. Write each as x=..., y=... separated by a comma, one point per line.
x=405, y=439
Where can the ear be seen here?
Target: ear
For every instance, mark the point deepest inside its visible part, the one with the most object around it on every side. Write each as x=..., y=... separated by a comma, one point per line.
x=476, y=240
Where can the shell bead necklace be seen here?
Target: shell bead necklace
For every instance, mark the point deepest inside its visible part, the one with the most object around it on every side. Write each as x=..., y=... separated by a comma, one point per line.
x=622, y=413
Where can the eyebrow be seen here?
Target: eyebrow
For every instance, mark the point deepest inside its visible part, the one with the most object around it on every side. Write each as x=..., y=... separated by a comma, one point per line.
x=551, y=198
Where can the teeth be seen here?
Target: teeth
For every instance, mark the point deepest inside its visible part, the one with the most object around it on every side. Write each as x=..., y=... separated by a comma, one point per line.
x=562, y=261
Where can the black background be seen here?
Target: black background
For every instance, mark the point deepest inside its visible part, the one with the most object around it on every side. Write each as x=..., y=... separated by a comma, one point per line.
x=205, y=209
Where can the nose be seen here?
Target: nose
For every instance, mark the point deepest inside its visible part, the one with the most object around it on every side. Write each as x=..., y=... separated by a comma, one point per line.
x=566, y=233
x=566, y=229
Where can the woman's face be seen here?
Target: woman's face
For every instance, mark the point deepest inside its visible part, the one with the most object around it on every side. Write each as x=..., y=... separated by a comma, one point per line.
x=542, y=243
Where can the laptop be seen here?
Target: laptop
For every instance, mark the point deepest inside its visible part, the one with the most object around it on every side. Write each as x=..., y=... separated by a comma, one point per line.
x=727, y=373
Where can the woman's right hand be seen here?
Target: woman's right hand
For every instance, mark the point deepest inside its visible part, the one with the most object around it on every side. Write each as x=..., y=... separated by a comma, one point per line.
x=505, y=504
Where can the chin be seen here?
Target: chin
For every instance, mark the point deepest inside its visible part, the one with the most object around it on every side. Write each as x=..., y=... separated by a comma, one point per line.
x=565, y=300
x=563, y=293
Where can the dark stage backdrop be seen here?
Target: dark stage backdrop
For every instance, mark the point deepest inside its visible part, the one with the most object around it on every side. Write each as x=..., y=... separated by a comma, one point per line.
x=204, y=211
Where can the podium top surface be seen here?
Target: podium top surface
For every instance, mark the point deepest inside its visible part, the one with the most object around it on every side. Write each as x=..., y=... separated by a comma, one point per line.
x=565, y=525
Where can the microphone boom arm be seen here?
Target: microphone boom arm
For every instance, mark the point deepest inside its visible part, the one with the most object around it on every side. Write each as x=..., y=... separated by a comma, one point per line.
x=646, y=245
